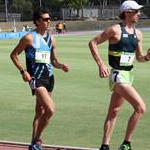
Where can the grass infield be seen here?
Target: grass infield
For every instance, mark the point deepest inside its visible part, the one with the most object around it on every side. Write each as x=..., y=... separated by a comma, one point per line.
x=81, y=98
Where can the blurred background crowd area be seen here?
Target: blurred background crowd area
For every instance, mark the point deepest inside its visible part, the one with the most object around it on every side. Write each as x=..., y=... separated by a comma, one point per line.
x=16, y=15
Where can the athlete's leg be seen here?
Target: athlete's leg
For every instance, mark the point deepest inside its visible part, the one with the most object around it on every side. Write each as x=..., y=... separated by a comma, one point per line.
x=114, y=107
x=46, y=107
x=39, y=111
x=131, y=95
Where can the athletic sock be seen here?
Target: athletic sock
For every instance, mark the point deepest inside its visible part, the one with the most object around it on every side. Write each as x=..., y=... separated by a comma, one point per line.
x=104, y=146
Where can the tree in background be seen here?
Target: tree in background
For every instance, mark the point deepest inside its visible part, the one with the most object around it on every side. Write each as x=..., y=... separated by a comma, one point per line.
x=68, y=4
x=22, y=6
x=74, y=4
x=25, y=7
x=79, y=5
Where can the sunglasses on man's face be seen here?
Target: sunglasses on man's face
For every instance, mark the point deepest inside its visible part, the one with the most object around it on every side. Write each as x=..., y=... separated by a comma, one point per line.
x=46, y=19
x=133, y=11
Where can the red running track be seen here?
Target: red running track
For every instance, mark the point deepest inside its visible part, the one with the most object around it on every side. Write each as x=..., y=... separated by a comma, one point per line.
x=6, y=145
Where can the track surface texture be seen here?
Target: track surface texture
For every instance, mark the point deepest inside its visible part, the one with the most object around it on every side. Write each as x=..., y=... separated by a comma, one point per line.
x=6, y=145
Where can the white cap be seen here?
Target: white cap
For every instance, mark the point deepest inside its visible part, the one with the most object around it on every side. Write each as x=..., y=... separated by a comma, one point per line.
x=129, y=5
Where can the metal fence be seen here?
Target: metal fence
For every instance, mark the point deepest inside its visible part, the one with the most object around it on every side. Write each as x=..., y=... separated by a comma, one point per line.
x=97, y=13
x=91, y=13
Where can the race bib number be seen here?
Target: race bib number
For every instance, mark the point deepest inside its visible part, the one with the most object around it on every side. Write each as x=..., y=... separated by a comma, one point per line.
x=42, y=57
x=114, y=75
x=127, y=59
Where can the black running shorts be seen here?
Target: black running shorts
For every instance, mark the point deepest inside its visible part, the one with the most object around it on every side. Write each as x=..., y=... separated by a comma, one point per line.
x=48, y=83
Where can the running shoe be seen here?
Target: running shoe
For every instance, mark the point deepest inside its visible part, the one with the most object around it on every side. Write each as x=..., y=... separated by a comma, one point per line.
x=104, y=148
x=125, y=147
x=36, y=145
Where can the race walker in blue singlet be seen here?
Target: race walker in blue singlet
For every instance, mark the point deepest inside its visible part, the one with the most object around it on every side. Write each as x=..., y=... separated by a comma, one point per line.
x=38, y=61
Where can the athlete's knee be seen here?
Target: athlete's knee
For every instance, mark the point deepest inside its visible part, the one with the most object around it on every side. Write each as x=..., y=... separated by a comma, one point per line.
x=141, y=109
x=113, y=113
x=48, y=115
x=50, y=111
x=39, y=112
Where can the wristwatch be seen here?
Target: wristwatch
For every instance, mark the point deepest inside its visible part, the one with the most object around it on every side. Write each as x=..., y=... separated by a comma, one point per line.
x=22, y=71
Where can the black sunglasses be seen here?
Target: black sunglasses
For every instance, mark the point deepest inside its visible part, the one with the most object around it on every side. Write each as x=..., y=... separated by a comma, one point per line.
x=46, y=19
x=133, y=11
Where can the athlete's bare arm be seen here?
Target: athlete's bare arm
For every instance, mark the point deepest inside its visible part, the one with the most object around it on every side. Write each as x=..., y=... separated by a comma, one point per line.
x=112, y=34
x=23, y=43
x=139, y=52
x=54, y=58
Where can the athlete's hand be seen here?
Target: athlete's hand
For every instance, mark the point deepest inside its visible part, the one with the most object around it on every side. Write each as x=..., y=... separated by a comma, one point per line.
x=65, y=67
x=26, y=76
x=104, y=71
x=148, y=54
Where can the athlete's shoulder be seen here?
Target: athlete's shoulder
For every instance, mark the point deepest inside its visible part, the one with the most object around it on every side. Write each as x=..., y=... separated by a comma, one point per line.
x=113, y=30
x=27, y=39
x=29, y=35
x=115, y=27
x=139, y=34
x=52, y=37
x=138, y=31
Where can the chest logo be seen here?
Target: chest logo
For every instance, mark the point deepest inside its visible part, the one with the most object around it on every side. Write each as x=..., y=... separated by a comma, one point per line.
x=125, y=35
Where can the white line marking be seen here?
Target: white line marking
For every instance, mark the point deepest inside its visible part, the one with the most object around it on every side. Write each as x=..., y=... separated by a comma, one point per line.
x=46, y=146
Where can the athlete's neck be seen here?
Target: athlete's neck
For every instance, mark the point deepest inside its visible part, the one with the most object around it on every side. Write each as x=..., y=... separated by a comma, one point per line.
x=128, y=25
x=41, y=32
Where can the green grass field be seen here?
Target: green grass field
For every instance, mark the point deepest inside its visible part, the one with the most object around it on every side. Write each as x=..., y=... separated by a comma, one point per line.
x=81, y=99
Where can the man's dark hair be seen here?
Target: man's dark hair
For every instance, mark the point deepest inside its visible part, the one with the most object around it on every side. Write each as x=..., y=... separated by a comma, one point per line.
x=38, y=13
x=122, y=16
